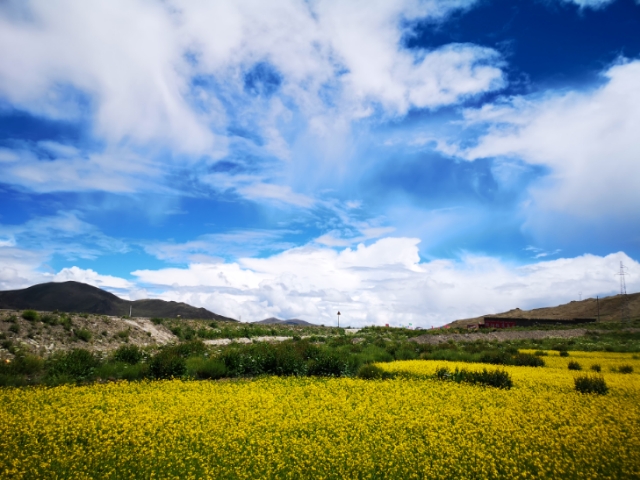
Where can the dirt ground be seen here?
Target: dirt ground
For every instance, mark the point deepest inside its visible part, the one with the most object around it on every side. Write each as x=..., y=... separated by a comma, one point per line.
x=56, y=333
x=502, y=336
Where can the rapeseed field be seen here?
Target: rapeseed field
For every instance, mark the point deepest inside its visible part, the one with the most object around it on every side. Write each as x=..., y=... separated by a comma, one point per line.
x=410, y=427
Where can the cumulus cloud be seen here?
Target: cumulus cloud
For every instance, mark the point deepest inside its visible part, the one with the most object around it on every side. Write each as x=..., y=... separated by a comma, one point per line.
x=385, y=282
x=91, y=277
x=587, y=140
x=138, y=68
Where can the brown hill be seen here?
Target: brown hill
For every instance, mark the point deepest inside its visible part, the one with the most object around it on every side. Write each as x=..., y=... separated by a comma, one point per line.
x=611, y=309
x=79, y=297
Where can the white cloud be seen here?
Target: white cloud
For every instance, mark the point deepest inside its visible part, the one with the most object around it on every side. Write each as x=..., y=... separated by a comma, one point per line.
x=91, y=277
x=587, y=140
x=595, y=4
x=383, y=283
x=64, y=233
x=131, y=64
x=118, y=171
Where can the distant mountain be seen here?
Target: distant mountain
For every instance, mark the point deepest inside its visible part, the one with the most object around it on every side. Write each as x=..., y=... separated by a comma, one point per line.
x=292, y=321
x=82, y=298
x=605, y=308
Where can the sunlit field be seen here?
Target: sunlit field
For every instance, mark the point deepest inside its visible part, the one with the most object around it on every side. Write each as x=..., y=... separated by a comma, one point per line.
x=409, y=427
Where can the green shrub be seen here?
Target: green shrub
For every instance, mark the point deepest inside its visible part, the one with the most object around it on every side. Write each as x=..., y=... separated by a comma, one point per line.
x=26, y=364
x=405, y=354
x=203, y=368
x=129, y=354
x=495, y=378
x=8, y=345
x=573, y=365
x=121, y=370
x=157, y=321
x=66, y=322
x=596, y=368
x=77, y=363
x=135, y=372
x=625, y=369
x=82, y=334
x=15, y=328
x=188, y=349
x=329, y=364
x=540, y=353
x=30, y=315
x=123, y=334
x=11, y=319
x=527, y=360
x=589, y=384
x=372, y=372
x=167, y=364
x=564, y=353
x=49, y=319
x=495, y=358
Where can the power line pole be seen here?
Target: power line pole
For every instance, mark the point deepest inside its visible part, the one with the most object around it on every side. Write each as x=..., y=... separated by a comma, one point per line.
x=624, y=311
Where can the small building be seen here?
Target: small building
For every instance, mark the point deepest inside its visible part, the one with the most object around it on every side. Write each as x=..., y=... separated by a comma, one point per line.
x=498, y=323
x=503, y=322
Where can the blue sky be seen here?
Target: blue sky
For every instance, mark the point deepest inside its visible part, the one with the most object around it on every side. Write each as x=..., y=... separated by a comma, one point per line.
x=408, y=162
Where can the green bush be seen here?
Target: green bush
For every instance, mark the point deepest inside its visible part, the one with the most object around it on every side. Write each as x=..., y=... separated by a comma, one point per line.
x=15, y=328
x=495, y=358
x=77, y=363
x=495, y=378
x=188, y=349
x=123, y=334
x=596, y=368
x=372, y=372
x=329, y=364
x=66, y=322
x=49, y=319
x=122, y=370
x=167, y=364
x=625, y=369
x=157, y=321
x=30, y=315
x=540, y=353
x=573, y=365
x=589, y=384
x=527, y=360
x=130, y=354
x=26, y=364
x=203, y=368
x=564, y=353
x=405, y=354
x=82, y=334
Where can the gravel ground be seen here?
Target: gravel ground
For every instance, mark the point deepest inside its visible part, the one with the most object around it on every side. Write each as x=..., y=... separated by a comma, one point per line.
x=499, y=336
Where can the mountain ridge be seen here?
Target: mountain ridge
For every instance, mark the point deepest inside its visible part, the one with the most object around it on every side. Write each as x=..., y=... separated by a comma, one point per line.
x=77, y=297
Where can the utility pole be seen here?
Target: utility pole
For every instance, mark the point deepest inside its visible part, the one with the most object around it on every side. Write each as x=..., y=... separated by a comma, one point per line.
x=580, y=296
x=130, y=310
x=624, y=313
x=338, y=319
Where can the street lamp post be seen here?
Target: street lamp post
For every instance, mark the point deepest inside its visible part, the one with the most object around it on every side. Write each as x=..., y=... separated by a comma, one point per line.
x=339, y=319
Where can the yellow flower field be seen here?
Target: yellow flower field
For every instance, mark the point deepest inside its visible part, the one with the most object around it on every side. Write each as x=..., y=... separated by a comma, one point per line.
x=336, y=428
